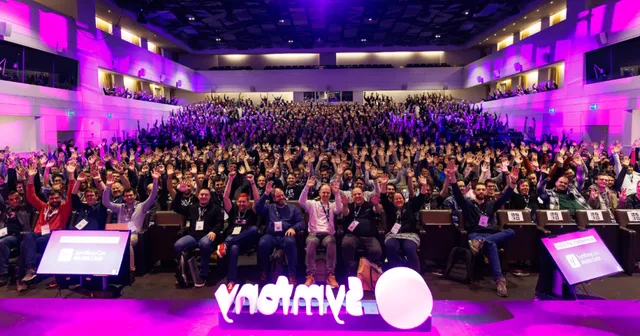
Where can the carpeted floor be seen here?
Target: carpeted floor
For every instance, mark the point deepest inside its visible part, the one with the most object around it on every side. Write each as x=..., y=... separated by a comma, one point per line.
x=162, y=286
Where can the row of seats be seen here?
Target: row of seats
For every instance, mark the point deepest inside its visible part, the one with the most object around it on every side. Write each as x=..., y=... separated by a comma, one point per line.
x=439, y=236
x=428, y=65
x=231, y=68
x=359, y=66
x=291, y=67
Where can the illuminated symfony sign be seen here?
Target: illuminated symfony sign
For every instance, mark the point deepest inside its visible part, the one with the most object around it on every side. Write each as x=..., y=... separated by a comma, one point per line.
x=403, y=300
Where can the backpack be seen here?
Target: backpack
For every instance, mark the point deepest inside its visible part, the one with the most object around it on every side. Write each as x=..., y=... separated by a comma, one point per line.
x=368, y=273
x=187, y=271
x=460, y=265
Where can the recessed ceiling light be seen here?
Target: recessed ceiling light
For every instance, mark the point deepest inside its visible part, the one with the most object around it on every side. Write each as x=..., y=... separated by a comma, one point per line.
x=525, y=17
x=290, y=41
x=537, y=10
x=109, y=11
x=281, y=21
x=363, y=40
x=370, y=19
x=504, y=29
x=218, y=39
x=437, y=36
x=514, y=24
x=495, y=34
x=466, y=13
x=551, y=2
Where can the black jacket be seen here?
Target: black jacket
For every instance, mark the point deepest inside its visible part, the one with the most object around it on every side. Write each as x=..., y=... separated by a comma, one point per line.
x=472, y=212
x=211, y=215
x=408, y=221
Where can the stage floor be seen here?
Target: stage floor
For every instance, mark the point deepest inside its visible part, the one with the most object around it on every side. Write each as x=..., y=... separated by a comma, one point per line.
x=95, y=317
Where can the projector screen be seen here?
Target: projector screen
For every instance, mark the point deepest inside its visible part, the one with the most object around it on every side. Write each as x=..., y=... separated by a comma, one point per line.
x=581, y=256
x=84, y=252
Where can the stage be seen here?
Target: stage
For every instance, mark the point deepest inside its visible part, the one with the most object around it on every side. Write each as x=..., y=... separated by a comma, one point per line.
x=67, y=317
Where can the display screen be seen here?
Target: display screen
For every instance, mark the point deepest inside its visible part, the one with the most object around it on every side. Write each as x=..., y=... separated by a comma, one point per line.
x=581, y=256
x=84, y=252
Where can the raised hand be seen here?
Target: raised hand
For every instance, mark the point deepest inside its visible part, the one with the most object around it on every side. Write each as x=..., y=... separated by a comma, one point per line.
x=422, y=180
x=51, y=163
x=250, y=178
x=622, y=195
x=375, y=199
x=194, y=169
x=170, y=170
x=513, y=177
x=71, y=166
x=384, y=179
x=311, y=182
x=183, y=186
x=110, y=179
x=82, y=177
x=593, y=194
x=156, y=174
x=335, y=187
x=410, y=173
x=268, y=189
x=232, y=175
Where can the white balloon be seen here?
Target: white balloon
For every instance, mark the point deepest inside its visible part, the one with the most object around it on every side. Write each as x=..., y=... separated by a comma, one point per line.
x=403, y=298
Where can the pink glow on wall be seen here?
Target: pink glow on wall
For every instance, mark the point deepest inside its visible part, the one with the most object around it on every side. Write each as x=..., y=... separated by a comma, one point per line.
x=596, y=21
x=16, y=12
x=53, y=30
x=626, y=15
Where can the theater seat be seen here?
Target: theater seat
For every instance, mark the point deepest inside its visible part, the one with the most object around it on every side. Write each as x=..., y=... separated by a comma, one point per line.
x=627, y=250
x=441, y=236
x=524, y=246
x=555, y=222
x=166, y=231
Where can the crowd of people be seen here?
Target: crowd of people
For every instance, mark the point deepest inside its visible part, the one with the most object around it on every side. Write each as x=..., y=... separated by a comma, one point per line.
x=209, y=160
x=521, y=91
x=140, y=95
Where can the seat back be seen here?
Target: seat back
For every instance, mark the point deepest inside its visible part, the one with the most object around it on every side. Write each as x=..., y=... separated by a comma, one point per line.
x=628, y=218
x=169, y=218
x=440, y=235
x=556, y=221
x=524, y=245
x=601, y=221
x=587, y=218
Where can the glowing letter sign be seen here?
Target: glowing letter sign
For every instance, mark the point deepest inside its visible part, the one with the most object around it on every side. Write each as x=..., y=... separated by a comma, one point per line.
x=403, y=300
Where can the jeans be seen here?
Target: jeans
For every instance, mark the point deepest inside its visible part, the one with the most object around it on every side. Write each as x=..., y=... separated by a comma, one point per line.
x=393, y=246
x=32, y=244
x=329, y=242
x=268, y=243
x=350, y=243
x=236, y=243
x=133, y=241
x=491, y=242
x=206, y=248
x=6, y=244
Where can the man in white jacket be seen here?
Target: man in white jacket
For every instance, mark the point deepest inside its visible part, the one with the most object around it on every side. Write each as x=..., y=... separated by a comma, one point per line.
x=321, y=228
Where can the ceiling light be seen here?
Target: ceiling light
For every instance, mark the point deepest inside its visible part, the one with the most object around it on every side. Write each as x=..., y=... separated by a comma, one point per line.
x=290, y=41
x=514, y=24
x=281, y=21
x=504, y=29
x=363, y=40
x=437, y=36
x=495, y=34
x=551, y=2
x=370, y=19
x=109, y=11
x=525, y=17
x=537, y=10
x=466, y=13
x=218, y=39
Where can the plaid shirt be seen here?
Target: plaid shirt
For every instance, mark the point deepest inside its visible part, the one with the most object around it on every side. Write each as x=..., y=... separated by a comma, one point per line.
x=552, y=201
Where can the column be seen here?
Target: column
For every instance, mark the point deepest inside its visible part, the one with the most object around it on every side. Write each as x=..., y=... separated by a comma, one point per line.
x=144, y=43
x=116, y=32
x=544, y=23
x=328, y=58
x=118, y=80
x=516, y=37
x=543, y=75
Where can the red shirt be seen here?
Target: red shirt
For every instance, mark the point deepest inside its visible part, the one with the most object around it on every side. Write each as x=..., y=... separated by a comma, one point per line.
x=48, y=215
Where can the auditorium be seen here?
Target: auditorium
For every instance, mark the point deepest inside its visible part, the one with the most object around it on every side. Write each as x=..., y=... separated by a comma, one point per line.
x=304, y=167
